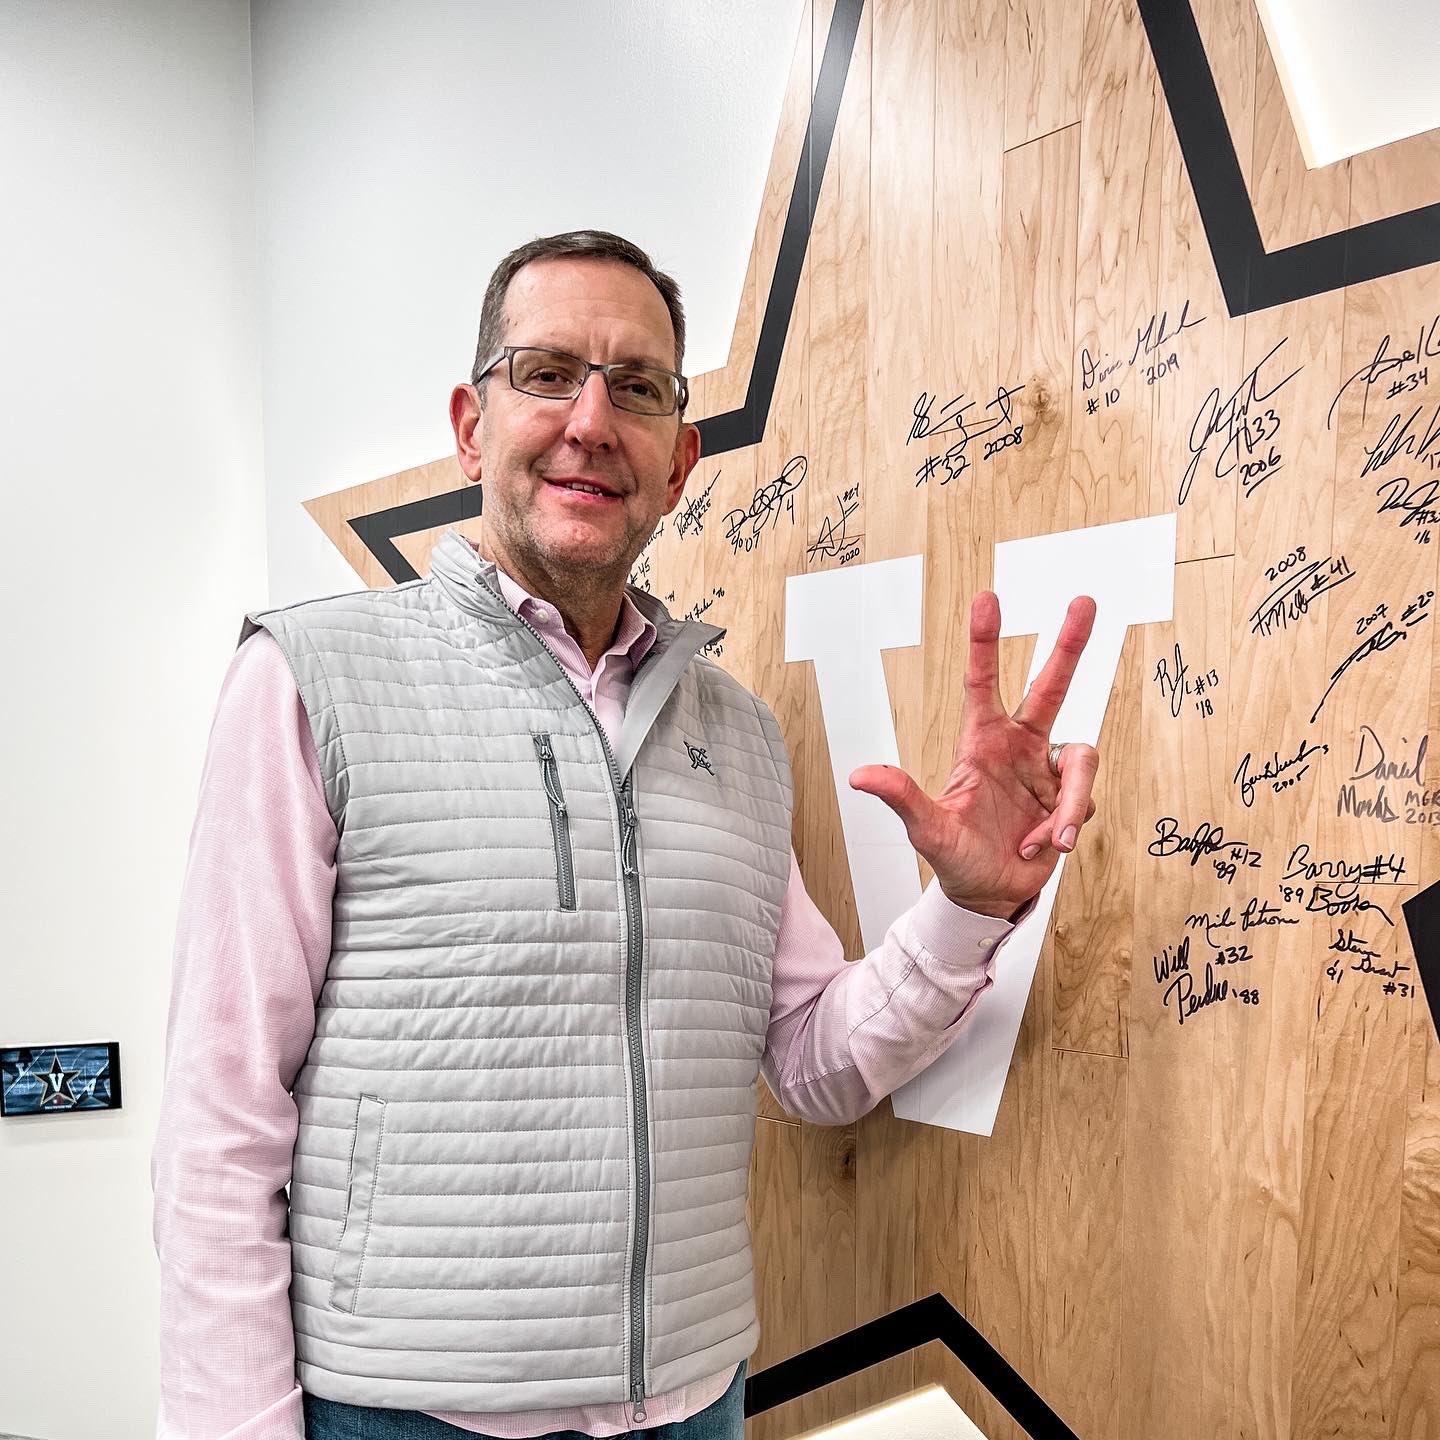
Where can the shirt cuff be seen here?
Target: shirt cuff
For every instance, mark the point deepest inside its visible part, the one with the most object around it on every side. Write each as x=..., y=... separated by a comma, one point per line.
x=953, y=934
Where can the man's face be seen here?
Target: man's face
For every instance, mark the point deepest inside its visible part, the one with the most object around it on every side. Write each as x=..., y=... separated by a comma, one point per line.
x=603, y=311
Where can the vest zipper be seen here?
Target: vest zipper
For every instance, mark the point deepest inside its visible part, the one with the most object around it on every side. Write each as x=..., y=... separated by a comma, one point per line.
x=633, y=958
x=634, y=953
x=559, y=821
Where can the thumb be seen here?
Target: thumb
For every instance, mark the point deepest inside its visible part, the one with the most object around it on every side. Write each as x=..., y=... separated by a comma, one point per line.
x=892, y=785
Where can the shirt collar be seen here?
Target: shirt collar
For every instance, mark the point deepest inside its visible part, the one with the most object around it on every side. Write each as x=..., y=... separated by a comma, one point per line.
x=634, y=634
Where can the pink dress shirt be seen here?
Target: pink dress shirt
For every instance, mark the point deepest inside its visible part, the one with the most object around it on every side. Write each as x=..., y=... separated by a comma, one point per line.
x=252, y=944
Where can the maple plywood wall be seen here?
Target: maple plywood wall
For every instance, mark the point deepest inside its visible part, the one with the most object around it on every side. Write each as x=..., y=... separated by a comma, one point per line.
x=1221, y=1229
x=1227, y=1227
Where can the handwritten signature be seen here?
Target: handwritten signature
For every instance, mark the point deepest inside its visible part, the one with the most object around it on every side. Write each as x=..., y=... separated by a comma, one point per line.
x=1243, y=430
x=744, y=526
x=1176, y=685
x=951, y=416
x=1280, y=774
x=1207, y=839
x=692, y=515
x=1401, y=438
x=1427, y=345
x=834, y=538
x=1420, y=501
x=1381, y=638
x=1382, y=870
x=1293, y=596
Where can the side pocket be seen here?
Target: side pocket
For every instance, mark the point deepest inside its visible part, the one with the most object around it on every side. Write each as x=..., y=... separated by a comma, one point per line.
x=359, y=1201
x=559, y=821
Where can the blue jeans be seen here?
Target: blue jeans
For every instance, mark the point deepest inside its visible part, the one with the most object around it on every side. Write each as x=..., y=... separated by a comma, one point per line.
x=331, y=1420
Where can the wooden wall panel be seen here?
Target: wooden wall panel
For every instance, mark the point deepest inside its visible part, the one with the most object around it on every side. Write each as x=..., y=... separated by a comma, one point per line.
x=1188, y=342
x=1224, y=1227
x=1208, y=1207
x=1042, y=67
x=774, y=1213
x=1082, y=1228
x=902, y=180
x=835, y=488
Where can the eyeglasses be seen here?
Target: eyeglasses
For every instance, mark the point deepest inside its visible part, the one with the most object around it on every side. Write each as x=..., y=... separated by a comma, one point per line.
x=554, y=375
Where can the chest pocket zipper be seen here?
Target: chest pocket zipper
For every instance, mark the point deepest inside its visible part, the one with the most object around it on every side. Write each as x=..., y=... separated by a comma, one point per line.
x=559, y=821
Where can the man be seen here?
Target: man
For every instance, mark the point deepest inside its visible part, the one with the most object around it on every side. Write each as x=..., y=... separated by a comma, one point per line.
x=478, y=959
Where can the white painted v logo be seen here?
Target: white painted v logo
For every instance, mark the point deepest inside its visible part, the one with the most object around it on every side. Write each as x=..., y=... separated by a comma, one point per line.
x=842, y=619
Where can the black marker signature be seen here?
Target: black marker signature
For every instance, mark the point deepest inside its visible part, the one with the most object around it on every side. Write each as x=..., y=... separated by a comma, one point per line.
x=692, y=513
x=1182, y=991
x=1427, y=345
x=1381, y=638
x=765, y=506
x=1275, y=770
x=1293, y=596
x=1382, y=870
x=952, y=415
x=1155, y=333
x=1346, y=942
x=834, y=538
x=1207, y=839
x=1232, y=418
x=1402, y=439
x=1092, y=373
x=1342, y=899
x=1420, y=501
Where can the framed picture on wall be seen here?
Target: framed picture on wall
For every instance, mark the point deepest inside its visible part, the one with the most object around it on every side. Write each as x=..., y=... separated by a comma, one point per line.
x=59, y=1079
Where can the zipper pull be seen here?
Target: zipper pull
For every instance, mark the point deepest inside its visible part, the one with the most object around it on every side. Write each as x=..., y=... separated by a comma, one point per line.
x=628, y=823
x=638, y=1399
x=547, y=770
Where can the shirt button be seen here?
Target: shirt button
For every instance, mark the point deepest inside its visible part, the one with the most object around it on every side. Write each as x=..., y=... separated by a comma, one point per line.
x=988, y=943
x=541, y=614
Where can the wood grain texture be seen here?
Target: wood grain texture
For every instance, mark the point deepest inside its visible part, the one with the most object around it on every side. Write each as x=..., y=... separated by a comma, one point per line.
x=835, y=488
x=774, y=1214
x=1042, y=67
x=1155, y=1233
x=1208, y=1209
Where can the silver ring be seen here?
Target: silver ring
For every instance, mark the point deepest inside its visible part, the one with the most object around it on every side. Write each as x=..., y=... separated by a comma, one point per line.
x=1055, y=760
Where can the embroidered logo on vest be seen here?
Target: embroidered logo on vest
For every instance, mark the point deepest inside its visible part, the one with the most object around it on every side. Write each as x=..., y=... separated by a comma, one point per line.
x=698, y=757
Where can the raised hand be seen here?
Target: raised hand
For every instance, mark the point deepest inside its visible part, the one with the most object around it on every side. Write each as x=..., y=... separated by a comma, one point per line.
x=994, y=833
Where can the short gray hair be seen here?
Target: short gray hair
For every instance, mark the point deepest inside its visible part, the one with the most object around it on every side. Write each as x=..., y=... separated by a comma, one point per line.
x=573, y=244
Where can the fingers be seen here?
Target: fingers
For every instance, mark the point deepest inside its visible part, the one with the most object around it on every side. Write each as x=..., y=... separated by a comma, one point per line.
x=1043, y=701
x=1079, y=765
x=982, y=672
x=901, y=793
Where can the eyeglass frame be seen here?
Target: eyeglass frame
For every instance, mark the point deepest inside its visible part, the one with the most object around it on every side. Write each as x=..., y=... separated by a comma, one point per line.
x=507, y=353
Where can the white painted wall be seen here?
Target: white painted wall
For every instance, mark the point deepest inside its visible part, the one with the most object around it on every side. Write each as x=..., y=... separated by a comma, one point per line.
x=402, y=149
x=130, y=455
x=1355, y=76
x=136, y=310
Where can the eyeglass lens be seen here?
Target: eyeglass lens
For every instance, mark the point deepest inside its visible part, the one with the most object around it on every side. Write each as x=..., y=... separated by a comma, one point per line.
x=556, y=376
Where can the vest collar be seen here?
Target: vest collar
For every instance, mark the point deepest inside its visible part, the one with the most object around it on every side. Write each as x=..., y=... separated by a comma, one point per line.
x=470, y=583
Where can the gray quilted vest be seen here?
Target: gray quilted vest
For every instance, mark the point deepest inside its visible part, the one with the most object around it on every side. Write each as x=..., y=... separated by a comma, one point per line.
x=526, y=1117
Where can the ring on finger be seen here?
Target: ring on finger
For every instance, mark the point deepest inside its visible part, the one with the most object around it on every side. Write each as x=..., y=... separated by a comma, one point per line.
x=1055, y=753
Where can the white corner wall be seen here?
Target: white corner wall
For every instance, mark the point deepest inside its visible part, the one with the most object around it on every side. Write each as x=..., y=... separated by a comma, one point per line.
x=1355, y=76
x=130, y=461
x=382, y=184
x=401, y=150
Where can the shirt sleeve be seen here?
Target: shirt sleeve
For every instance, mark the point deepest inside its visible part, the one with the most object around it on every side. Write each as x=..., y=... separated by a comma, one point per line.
x=842, y=1036
x=251, y=948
